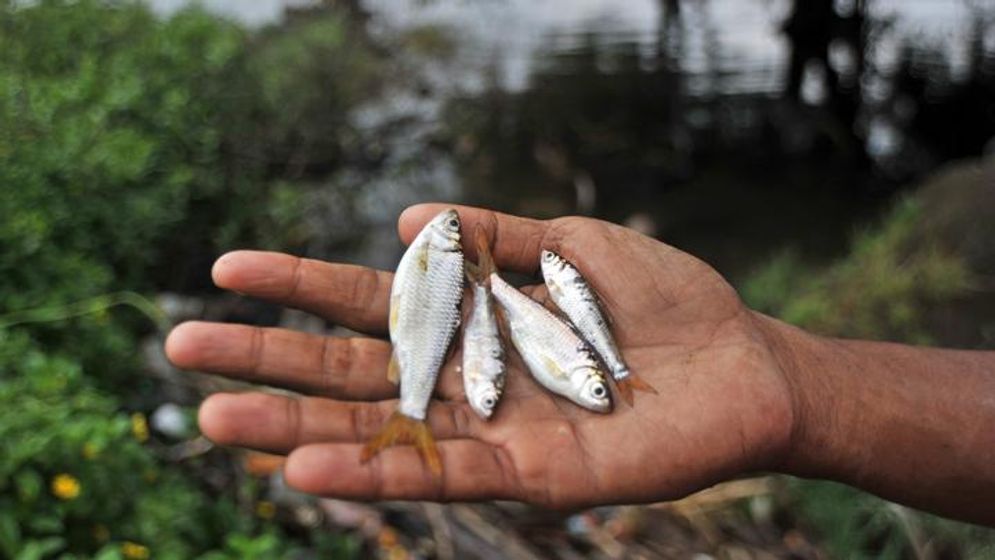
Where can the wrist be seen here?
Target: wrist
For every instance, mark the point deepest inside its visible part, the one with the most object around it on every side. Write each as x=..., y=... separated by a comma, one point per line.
x=809, y=365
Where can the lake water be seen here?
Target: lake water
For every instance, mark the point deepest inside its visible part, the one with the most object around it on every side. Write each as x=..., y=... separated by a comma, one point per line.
x=707, y=154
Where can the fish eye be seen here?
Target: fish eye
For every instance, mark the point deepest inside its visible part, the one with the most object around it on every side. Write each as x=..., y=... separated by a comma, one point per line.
x=598, y=391
x=549, y=256
x=489, y=402
x=453, y=224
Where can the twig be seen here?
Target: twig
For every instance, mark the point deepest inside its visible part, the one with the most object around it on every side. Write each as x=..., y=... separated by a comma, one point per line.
x=96, y=304
x=441, y=531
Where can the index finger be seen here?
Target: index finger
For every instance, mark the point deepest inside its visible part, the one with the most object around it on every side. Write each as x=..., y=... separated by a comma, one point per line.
x=353, y=296
x=515, y=241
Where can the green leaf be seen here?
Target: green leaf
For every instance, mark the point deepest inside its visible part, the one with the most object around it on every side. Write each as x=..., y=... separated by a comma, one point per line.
x=10, y=534
x=29, y=485
x=38, y=549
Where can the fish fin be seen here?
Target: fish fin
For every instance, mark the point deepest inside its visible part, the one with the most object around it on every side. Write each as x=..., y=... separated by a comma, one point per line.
x=393, y=369
x=553, y=367
x=395, y=304
x=504, y=332
x=631, y=382
x=401, y=429
x=473, y=273
x=603, y=308
x=423, y=257
x=485, y=261
x=625, y=391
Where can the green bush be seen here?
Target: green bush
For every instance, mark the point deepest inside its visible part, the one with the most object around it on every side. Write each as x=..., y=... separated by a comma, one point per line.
x=118, y=168
x=882, y=290
x=879, y=291
x=76, y=479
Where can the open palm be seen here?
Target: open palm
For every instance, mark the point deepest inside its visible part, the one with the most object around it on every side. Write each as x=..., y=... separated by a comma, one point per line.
x=722, y=408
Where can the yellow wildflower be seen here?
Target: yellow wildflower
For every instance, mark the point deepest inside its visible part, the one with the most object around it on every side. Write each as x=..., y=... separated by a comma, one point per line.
x=387, y=538
x=265, y=509
x=65, y=487
x=134, y=551
x=139, y=427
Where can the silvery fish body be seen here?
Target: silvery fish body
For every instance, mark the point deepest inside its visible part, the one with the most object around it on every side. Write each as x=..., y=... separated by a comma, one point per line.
x=556, y=356
x=574, y=296
x=424, y=310
x=483, y=354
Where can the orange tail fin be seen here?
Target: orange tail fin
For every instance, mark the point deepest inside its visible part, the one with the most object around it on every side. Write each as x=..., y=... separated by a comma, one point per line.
x=632, y=382
x=401, y=429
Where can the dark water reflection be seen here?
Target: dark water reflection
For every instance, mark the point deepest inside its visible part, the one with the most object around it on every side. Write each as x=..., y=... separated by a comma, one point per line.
x=730, y=129
x=715, y=160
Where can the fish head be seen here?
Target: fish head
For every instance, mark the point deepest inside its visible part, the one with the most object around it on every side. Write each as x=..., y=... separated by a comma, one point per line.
x=483, y=399
x=548, y=259
x=594, y=393
x=445, y=230
x=552, y=266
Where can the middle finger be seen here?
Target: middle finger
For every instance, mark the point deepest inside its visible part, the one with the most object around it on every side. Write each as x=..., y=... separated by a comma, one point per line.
x=346, y=368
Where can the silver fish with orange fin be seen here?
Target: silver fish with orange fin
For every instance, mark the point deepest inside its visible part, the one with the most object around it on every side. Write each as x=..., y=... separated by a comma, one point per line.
x=555, y=355
x=574, y=296
x=424, y=315
x=483, y=353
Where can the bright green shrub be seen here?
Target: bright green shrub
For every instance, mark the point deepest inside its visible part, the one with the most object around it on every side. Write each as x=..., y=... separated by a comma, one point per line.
x=75, y=477
x=879, y=291
x=116, y=172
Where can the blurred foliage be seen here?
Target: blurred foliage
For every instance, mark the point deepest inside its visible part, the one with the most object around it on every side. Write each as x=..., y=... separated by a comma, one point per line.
x=125, y=163
x=76, y=479
x=309, y=75
x=877, y=292
x=930, y=250
x=103, y=138
x=109, y=142
x=856, y=525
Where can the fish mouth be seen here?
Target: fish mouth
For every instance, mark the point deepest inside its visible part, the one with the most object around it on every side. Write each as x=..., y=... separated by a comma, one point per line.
x=483, y=413
x=485, y=403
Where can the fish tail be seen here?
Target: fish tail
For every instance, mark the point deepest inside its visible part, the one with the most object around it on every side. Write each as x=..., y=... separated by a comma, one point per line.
x=485, y=261
x=630, y=382
x=401, y=429
x=473, y=273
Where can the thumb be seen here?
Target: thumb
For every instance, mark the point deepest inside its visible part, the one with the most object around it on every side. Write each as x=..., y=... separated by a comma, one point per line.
x=515, y=241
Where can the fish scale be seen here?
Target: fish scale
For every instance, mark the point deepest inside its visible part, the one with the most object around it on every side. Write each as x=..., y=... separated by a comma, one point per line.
x=424, y=315
x=483, y=355
x=483, y=352
x=574, y=296
x=558, y=359
x=428, y=315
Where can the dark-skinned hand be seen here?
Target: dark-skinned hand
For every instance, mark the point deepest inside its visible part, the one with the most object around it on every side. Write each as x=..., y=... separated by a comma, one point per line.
x=723, y=405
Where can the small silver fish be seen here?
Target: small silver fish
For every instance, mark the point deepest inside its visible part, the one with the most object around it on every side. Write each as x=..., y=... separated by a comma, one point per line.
x=424, y=316
x=483, y=353
x=556, y=356
x=574, y=296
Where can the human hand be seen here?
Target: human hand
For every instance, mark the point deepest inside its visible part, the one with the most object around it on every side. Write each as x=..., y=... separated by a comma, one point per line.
x=723, y=405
